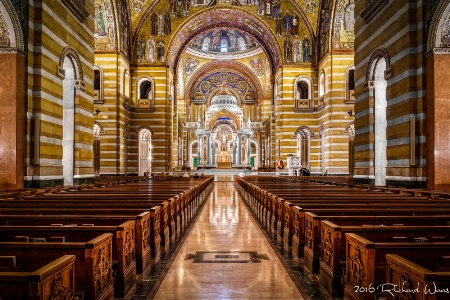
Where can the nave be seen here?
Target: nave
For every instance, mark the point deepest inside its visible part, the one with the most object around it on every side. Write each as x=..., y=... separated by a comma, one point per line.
x=206, y=267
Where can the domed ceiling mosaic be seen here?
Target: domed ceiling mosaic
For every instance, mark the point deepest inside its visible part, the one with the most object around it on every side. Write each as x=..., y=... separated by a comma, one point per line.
x=223, y=42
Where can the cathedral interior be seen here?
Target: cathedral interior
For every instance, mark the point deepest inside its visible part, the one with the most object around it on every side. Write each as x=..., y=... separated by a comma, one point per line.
x=134, y=87
x=131, y=97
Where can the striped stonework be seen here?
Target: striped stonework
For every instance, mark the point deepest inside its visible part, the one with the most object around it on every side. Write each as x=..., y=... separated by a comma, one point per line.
x=394, y=33
x=53, y=34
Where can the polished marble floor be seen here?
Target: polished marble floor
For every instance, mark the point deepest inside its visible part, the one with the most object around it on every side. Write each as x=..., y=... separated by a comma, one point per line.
x=226, y=256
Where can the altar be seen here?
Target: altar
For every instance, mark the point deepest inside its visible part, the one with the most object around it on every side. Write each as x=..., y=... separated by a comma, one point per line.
x=223, y=160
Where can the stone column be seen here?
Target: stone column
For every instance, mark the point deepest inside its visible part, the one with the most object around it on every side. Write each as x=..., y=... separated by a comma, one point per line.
x=239, y=150
x=248, y=150
x=438, y=120
x=208, y=150
x=12, y=120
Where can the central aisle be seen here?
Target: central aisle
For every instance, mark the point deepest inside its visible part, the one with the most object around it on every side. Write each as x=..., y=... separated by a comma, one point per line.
x=226, y=256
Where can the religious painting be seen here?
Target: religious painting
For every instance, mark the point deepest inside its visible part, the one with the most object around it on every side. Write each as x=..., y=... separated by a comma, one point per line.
x=310, y=5
x=445, y=33
x=104, y=32
x=137, y=5
x=124, y=27
x=4, y=32
x=257, y=66
x=190, y=65
x=224, y=40
x=344, y=23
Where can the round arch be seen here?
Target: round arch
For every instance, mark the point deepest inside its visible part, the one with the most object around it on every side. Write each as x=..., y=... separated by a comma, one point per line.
x=13, y=26
x=236, y=18
x=437, y=23
x=304, y=130
x=374, y=58
x=73, y=56
x=214, y=66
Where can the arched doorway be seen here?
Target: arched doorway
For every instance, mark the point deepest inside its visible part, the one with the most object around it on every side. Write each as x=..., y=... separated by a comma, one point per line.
x=303, y=135
x=68, y=120
x=379, y=94
x=145, y=152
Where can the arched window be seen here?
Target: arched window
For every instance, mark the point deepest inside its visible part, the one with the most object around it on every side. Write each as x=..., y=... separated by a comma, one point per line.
x=321, y=87
x=126, y=85
x=303, y=93
x=98, y=85
x=379, y=94
x=145, y=152
x=145, y=93
x=145, y=90
x=350, y=84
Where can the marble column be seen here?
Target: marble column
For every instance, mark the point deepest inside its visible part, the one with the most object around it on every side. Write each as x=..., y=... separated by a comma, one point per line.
x=239, y=150
x=248, y=150
x=12, y=120
x=438, y=121
x=208, y=150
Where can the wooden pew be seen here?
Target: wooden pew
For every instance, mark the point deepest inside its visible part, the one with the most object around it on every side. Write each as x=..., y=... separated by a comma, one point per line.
x=366, y=262
x=147, y=230
x=416, y=279
x=52, y=280
x=93, y=271
x=332, y=247
x=123, y=249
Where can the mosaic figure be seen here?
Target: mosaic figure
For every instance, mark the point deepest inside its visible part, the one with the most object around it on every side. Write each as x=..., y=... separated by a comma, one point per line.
x=306, y=50
x=279, y=24
x=154, y=24
x=287, y=22
x=167, y=24
x=151, y=50
x=160, y=50
x=297, y=51
x=294, y=28
x=141, y=47
x=287, y=50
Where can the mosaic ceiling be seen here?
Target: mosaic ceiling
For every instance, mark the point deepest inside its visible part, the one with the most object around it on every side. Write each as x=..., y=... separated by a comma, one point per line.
x=247, y=25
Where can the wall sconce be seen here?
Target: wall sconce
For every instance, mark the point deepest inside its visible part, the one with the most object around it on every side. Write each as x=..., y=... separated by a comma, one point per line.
x=97, y=111
x=170, y=98
x=351, y=113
